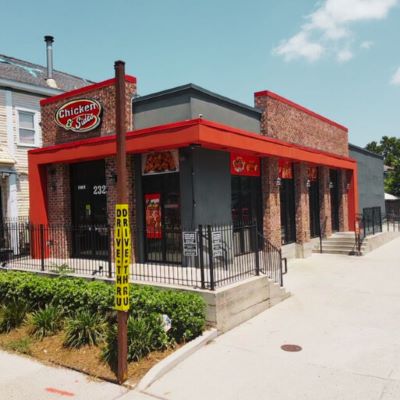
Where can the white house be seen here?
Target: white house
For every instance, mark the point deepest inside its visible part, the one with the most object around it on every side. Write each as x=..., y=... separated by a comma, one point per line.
x=22, y=86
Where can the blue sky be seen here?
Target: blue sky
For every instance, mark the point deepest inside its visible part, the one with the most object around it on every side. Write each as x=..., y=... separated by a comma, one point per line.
x=339, y=58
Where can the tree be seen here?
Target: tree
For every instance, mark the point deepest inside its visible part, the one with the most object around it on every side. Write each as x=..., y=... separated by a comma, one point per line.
x=389, y=148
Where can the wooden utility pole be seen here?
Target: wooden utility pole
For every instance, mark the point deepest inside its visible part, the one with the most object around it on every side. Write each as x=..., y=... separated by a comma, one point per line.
x=122, y=198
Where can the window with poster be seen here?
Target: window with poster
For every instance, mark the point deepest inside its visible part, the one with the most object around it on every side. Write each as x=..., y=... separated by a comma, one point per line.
x=162, y=230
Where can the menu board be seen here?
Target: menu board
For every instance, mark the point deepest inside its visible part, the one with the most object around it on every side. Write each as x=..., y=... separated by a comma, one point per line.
x=153, y=215
x=245, y=165
x=160, y=162
x=312, y=173
x=285, y=169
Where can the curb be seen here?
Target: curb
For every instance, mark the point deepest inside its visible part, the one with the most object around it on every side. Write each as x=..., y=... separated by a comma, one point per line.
x=174, y=359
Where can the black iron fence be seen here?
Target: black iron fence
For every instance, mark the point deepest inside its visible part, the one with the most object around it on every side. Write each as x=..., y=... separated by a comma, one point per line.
x=207, y=257
x=393, y=222
x=368, y=223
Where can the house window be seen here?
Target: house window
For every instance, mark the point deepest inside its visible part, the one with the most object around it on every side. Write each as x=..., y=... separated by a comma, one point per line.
x=26, y=124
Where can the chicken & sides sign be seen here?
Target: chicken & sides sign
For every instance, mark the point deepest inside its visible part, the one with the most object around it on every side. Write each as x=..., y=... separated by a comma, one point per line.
x=81, y=115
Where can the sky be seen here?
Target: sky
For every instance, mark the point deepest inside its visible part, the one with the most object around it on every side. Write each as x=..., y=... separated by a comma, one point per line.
x=340, y=58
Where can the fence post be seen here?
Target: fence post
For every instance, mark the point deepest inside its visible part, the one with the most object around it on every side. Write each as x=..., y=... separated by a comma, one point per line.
x=109, y=240
x=257, y=256
x=210, y=258
x=201, y=257
x=41, y=238
x=280, y=268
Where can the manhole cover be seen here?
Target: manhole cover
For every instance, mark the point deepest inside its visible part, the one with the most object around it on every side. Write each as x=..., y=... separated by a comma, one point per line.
x=291, y=347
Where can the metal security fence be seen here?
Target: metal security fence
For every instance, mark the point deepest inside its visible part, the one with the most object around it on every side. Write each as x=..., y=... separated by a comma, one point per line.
x=393, y=222
x=207, y=257
x=372, y=220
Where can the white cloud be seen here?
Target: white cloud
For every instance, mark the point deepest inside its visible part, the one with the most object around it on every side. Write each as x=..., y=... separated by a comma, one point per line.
x=366, y=44
x=300, y=46
x=330, y=26
x=396, y=77
x=344, y=55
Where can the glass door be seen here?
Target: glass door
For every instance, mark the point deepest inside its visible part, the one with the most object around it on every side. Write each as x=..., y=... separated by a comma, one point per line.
x=313, y=196
x=334, y=194
x=89, y=210
x=246, y=211
x=288, y=220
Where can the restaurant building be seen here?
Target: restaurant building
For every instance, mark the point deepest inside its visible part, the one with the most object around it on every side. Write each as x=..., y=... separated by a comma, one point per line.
x=194, y=158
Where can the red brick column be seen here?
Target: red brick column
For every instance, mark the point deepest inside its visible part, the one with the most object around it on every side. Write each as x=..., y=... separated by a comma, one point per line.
x=59, y=210
x=302, y=209
x=325, y=202
x=343, y=202
x=271, y=201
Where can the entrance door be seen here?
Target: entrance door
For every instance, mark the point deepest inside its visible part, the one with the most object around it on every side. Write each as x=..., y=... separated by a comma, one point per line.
x=313, y=195
x=288, y=220
x=89, y=210
x=334, y=194
x=246, y=211
x=162, y=233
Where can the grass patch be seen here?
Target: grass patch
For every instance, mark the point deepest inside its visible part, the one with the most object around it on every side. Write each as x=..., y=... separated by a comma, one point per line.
x=22, y=345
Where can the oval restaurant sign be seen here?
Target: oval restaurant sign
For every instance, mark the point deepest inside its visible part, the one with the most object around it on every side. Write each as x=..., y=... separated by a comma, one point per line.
x=80, y=115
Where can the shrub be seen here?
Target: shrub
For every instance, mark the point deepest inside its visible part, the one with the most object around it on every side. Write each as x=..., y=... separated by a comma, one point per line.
x=84, y=328
x=145, y=334
x=12, y=315
x=45, y=322
x=186, y=310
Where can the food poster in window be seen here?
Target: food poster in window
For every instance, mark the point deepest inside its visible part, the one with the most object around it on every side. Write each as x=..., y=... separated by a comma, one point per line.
x=160, y=162
x=153, y=215
x=312, y=173
x=245, y=165
x=285, y=169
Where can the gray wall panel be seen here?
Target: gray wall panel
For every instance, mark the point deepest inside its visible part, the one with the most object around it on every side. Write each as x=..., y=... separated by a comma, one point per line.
x=370, y=179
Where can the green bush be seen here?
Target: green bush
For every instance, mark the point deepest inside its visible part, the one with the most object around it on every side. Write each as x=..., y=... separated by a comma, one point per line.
x=186, y=310
x=84, y=328
x=45, y=322
x=12, y=314
x=145, y=334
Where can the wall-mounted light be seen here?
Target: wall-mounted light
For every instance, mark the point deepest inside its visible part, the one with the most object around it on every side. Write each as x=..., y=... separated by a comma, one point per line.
x=331, y=185
x=278, y=181
x=308, y=183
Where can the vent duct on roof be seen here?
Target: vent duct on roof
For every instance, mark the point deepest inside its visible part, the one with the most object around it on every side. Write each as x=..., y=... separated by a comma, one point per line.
x=49, y=49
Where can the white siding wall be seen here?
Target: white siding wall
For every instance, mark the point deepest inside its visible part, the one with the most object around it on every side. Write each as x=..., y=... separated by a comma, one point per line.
x=30, y=103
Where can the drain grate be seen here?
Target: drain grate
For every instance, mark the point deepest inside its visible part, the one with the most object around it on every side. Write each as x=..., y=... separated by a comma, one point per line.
x=291, y=347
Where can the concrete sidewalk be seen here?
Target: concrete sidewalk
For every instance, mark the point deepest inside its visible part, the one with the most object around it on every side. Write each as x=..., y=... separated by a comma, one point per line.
x=23, y=378
x=344, y=313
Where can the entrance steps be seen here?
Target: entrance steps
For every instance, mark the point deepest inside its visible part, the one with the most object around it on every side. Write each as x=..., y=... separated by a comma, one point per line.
x=341, y=243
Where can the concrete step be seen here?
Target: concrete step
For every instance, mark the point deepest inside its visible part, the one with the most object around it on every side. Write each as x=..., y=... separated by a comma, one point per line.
x=340, y=241
x=344, y=252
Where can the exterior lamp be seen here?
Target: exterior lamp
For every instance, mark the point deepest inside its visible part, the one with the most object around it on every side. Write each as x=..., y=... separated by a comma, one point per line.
x=278, y=181
x=331, y=185
x=308, y=183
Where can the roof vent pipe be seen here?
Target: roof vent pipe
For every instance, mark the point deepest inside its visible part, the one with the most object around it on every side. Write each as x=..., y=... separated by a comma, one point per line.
x=49, y=47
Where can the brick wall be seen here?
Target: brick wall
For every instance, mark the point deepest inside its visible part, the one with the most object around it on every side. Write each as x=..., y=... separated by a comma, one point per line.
x=301, y=204
x=290, y=123
x=271, y=201
x=53, y=134
x=59, y=210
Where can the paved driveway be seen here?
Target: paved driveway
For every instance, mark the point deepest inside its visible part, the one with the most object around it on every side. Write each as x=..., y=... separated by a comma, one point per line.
x=344, y=313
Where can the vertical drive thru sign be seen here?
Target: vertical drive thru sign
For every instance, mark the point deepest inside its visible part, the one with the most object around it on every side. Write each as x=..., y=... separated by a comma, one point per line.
x=123, y=248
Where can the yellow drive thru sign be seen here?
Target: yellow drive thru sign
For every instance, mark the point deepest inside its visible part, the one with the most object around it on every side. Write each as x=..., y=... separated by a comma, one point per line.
x=122, y=242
